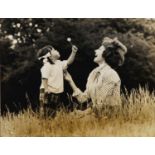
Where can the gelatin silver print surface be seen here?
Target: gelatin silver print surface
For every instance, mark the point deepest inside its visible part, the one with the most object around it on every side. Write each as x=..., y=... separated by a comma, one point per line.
x=77, y=77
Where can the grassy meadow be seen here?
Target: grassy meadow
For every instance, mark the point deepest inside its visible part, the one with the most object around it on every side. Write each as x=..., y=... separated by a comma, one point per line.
x=136, y=118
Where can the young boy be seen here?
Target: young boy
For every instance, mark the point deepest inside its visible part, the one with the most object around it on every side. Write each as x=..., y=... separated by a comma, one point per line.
x=53, y=78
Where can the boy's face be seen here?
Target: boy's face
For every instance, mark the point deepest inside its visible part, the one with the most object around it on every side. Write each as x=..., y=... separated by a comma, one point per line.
x=54, y=54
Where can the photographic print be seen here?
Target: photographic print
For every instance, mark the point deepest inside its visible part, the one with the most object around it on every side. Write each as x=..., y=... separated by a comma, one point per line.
x=77, y=77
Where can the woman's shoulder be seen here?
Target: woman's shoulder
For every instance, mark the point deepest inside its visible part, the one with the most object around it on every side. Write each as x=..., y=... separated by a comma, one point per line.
x=92, y=72
x=111, y=75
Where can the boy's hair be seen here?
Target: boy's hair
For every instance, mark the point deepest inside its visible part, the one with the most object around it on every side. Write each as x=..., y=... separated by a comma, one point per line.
x=43, y=51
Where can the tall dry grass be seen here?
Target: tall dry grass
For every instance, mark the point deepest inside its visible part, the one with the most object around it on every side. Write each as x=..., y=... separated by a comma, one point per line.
x=135, y=118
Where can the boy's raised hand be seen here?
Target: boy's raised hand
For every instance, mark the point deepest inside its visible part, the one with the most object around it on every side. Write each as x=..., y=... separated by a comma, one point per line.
x=71, y=58
x=74, y=49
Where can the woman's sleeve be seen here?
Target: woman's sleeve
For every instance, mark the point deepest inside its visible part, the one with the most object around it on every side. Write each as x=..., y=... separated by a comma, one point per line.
x=109, y=92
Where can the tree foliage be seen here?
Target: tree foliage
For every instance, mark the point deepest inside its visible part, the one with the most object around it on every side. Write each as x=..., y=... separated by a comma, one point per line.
x=28, y=35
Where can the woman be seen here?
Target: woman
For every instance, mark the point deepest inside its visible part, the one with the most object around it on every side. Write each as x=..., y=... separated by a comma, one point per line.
x=103, y=83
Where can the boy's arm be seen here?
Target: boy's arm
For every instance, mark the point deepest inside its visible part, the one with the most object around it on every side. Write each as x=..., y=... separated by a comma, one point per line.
x=72, y=55
x=45, y=92
x=77, y=93
x=45, y=84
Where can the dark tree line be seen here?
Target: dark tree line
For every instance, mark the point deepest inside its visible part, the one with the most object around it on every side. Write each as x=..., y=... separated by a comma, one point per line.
x=20, y=40
x=31, y=34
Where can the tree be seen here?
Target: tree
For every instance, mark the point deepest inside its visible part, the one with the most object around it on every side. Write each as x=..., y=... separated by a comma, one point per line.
x=136, y=34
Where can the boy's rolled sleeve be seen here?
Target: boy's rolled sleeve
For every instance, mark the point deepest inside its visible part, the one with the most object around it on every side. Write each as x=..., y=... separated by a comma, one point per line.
x=45, y=71
x=64, y=64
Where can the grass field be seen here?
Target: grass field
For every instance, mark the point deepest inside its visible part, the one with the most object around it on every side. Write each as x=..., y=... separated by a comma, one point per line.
x=137, y=118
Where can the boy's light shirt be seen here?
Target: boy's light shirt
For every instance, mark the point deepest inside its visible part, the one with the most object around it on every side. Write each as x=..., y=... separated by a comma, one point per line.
x=54, y=74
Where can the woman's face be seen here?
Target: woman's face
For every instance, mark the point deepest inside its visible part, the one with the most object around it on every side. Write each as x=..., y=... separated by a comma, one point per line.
x=54, y=54
x=98, y=55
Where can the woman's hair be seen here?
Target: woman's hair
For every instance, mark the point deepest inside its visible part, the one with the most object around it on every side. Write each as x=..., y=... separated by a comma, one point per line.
x=113, y=56
x=114, y=53
x=43, y=51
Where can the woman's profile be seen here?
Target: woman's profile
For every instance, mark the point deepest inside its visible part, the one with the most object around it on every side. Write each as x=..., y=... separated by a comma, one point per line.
x=103, y=83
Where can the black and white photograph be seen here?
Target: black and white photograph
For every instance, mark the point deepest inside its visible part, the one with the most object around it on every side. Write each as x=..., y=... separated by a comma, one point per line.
x=77, y=77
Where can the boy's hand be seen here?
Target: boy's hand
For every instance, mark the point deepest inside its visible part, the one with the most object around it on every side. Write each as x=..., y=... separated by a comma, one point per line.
x=72, y=55
x=74, y=49
x=45, y=96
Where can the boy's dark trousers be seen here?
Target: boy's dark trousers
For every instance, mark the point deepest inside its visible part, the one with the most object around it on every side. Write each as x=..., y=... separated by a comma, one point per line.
x=52, y=104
